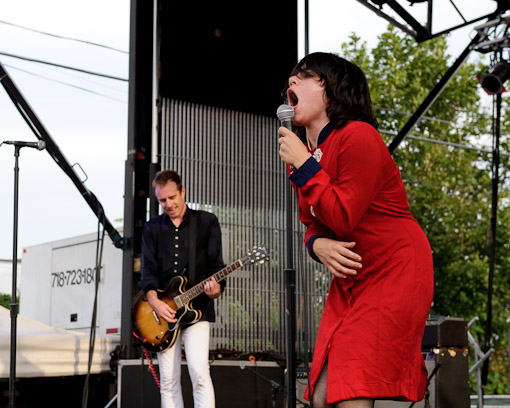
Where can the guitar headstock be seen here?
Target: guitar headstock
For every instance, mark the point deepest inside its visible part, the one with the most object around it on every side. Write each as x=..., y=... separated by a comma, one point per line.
x=257, y=254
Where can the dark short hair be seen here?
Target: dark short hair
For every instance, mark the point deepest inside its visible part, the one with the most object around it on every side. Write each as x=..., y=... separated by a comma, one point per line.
x=164, y=176
x=345, y=85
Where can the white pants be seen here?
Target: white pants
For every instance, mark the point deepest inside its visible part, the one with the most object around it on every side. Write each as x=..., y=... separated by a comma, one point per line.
x=196, y=346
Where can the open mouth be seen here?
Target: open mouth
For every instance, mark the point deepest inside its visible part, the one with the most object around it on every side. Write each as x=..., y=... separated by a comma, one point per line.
x=292, y=97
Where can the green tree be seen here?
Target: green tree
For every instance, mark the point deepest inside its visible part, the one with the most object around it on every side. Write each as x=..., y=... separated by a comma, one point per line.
x=449, y=189
x=5, y=300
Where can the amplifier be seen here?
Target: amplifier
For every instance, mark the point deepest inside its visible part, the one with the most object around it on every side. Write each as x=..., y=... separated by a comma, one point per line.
x=444, y=331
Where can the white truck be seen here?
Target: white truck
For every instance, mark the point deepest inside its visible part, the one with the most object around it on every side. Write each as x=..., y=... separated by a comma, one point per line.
x=58, y=284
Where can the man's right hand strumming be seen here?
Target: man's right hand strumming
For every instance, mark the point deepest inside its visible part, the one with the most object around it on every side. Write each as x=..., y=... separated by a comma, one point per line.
x=161, y=308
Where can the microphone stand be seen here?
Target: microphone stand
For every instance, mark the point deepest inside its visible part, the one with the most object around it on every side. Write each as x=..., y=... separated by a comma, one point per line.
x=285, y=113
x=290, y=288
x=14, y=303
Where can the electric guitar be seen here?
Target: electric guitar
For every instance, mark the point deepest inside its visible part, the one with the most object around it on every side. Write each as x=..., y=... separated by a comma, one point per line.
x=155, y=333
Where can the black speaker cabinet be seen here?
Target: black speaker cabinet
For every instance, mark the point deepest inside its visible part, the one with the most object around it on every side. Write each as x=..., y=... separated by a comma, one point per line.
x=444, y=331
x=136, y=386
x=236, y=384
x=452, y=378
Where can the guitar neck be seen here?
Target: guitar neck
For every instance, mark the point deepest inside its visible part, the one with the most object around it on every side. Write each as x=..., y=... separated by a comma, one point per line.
x=198, y=289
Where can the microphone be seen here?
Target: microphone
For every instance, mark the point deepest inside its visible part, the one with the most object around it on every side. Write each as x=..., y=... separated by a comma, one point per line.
x=40, y=145
x=285, y=113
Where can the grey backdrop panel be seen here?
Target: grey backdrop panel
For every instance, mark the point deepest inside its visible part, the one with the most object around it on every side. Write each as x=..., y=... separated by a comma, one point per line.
x=230, y=166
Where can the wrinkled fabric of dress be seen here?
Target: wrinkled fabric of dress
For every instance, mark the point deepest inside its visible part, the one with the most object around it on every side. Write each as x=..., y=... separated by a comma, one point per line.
x=372, y=324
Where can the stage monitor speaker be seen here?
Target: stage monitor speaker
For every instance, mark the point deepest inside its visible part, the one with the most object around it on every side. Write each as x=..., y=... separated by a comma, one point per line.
x=229, y=54
x=235, y=384
x=444, y=331
x=448, y=388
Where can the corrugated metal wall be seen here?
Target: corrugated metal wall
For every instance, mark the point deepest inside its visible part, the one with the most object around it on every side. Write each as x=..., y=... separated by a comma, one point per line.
x=230, y=166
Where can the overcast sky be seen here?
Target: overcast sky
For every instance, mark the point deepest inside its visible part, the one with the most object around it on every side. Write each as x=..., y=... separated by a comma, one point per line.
x=86, y=115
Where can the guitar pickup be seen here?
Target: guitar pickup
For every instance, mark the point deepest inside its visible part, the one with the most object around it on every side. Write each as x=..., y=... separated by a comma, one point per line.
x=156, y=317
x=178, y=302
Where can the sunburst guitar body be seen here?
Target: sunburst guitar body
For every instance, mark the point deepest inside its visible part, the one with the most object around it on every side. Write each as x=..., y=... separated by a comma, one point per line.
x=155, y=333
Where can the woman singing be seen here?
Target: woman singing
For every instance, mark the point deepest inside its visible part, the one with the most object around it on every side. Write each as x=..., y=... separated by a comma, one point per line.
x=350, y=193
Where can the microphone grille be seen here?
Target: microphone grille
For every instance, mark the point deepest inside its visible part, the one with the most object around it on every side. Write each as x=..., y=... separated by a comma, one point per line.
x=285, y=112
x=41, y=144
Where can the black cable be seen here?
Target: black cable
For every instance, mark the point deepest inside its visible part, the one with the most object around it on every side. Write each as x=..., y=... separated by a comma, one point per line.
x=63, y=66
x=496, y=120
x=431, y=375
x=308, y=368
x=92, y=340
x=305, y=345
x=65, y=38
x=65, y=83
x=458, y=11
x=430, y=118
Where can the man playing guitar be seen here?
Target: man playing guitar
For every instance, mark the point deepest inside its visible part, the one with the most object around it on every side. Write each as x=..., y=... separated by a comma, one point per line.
x=182, y=242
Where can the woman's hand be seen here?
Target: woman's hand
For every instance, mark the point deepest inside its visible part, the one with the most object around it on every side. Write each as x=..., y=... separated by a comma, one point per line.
x=212, y=288
x=292, y=149
x=337, y=256
x=161, y=308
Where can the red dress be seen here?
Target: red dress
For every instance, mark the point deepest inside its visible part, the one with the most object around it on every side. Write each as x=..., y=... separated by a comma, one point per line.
x=372, y=324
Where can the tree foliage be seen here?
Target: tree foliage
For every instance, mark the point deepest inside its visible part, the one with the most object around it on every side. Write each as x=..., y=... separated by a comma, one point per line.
x=449, y=188
x=5, y=300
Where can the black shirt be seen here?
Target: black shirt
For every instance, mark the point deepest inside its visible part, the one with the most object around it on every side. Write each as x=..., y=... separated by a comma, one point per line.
x=165, y=254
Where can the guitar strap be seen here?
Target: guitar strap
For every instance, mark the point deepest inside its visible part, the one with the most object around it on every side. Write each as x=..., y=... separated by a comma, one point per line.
x=192, y=246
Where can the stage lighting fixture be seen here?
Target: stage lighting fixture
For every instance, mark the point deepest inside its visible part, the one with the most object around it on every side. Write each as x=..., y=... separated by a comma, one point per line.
x=492, y=82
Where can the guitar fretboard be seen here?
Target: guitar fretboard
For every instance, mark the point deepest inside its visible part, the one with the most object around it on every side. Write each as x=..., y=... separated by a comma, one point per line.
x=198, y=289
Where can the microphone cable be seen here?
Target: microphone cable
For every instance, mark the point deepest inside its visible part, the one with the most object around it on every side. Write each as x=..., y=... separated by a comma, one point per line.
x=92, y=339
